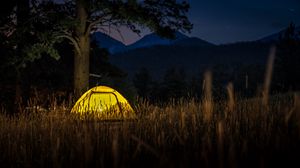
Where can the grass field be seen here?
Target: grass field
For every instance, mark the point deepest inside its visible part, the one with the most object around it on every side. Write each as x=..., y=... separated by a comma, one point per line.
x=184, y=133
x=263, y=131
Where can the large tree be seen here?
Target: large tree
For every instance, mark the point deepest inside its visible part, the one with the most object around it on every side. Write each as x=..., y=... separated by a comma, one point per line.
x=24, y=38
x=160, y=16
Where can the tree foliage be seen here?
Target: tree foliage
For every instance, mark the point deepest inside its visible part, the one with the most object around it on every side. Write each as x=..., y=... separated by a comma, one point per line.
x=27, y=33
x=76, y=20
x=31, y=29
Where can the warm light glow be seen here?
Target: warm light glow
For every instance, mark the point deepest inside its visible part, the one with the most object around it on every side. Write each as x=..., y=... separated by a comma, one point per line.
x=103, y=102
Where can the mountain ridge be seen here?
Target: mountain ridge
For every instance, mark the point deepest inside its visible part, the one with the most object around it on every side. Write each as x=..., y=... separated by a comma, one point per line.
x=114, y=46
x=153, y=39
x=103, y=40
x=190, y=53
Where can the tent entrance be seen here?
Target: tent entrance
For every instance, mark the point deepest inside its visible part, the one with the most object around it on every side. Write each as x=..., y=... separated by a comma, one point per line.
x=103, y=101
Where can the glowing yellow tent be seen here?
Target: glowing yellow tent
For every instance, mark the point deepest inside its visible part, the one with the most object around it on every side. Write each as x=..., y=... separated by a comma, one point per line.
x=105, y=103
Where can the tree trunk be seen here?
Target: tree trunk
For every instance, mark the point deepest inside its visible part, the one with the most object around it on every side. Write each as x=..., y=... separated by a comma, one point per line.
x=23, y=10
x=81, y=60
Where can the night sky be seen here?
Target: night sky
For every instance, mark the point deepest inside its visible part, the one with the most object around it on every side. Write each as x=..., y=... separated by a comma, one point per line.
x=227, y=21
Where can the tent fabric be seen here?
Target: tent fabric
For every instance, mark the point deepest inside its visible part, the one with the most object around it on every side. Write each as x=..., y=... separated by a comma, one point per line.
x=103, y=102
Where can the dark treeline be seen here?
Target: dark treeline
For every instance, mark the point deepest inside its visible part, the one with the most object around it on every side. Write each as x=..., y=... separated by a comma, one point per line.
x=177, y=84
x=247, y=79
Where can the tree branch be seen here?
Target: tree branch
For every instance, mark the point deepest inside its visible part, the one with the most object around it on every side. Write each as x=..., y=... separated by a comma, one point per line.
x=97, y=21
x=73, y=41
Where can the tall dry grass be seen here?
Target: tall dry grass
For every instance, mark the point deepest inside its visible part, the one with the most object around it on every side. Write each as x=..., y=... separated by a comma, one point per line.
x=268, y=76
x=175, y=135
x=255, y=132
x=208, y=98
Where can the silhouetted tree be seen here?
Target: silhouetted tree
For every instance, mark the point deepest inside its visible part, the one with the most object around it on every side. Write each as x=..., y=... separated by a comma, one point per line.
x=287, y=61
x=175, y=84
x=16, y=34
x=143, y=83
x=195, y=86
x=85, y=16
x=25, y=37
x=247, y=79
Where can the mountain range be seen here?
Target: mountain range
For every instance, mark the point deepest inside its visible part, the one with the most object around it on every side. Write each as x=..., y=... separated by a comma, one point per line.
x=115, y=47
x=192, y=54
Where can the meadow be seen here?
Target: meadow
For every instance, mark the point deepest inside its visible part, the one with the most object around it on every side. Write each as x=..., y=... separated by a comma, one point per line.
x=183, y=133
x=261, y=131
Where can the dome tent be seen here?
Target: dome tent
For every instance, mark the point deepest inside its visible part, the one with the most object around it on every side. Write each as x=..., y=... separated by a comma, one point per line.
x=105, y=103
